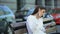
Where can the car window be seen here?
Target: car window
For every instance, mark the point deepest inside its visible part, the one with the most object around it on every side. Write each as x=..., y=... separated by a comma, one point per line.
x=1, y=12
x=57, y=11
x=6, y=12
x=54, y=11
x=49, y=11
x=30, y=11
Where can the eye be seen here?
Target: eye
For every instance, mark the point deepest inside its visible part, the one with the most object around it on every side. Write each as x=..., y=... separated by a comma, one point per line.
x=43, y=11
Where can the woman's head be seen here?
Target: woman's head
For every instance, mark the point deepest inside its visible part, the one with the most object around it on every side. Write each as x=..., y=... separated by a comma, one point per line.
x=39, y=10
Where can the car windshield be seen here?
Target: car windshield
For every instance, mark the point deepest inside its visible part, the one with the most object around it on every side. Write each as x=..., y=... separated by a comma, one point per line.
x=4, y=11
x=57, y=11
x=1, y=12
x=53, y=11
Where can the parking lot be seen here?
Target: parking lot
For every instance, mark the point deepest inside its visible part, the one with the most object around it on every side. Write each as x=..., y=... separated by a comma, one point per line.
x=14, y=16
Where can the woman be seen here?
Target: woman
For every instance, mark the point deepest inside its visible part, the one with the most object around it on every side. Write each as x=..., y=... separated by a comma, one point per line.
x=35, y=21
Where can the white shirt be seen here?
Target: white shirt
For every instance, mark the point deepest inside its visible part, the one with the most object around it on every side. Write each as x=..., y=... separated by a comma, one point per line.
x=34, y=25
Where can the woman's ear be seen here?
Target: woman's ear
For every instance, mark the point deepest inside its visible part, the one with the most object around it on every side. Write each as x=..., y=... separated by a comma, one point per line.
x=38, y=14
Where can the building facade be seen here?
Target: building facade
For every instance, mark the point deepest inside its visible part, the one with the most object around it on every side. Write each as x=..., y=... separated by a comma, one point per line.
x=49, y=3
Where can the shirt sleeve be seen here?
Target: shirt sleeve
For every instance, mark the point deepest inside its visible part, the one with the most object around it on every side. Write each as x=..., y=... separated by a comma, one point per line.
x=42, y=28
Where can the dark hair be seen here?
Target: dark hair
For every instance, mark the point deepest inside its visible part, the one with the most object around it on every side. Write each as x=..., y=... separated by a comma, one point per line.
x=37, y=8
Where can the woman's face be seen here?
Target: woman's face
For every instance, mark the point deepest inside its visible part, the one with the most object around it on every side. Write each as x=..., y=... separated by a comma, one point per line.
x=41, y=12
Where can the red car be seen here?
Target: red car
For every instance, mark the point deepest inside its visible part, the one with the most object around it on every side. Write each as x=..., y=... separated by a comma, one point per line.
x=56, y=15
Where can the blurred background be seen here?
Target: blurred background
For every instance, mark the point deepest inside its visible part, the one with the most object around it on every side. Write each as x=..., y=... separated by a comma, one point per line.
x=15, y=12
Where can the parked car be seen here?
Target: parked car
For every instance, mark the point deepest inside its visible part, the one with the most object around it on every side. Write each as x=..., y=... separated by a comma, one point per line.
x=5, y=12
x=5, y=27
x=8, y=16
x=56, y=15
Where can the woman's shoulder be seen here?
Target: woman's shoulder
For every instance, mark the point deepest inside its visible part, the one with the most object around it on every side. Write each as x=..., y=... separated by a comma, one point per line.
x=30, y=17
